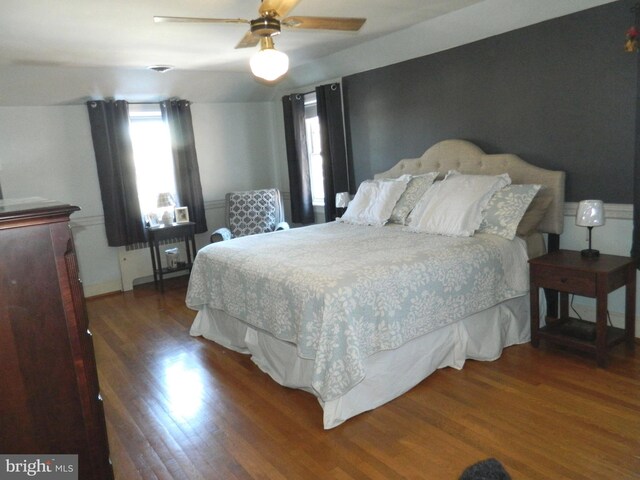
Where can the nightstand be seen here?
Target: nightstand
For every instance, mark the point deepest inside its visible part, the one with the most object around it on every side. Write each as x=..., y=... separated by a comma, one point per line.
x=568, y=272
x=186, y=231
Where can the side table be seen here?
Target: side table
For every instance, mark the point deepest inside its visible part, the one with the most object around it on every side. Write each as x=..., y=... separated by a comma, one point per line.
x=184, y=230
x=568, y=272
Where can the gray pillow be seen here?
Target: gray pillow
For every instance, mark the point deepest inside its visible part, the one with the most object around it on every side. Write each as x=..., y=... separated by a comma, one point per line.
x=414, y=191
x=535, y=213
x=506, y=208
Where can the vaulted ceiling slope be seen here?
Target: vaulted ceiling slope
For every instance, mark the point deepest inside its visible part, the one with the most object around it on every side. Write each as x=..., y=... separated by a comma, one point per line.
x=64, y=52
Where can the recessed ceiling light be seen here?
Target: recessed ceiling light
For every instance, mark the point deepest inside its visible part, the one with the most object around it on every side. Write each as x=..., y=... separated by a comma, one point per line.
x=160, y=68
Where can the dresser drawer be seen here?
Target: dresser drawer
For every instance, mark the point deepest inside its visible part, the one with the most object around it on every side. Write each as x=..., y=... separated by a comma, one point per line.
x=564, y=280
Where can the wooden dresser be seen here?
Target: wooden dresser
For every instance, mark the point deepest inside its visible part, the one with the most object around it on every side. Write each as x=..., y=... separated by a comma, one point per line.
x=50, y=400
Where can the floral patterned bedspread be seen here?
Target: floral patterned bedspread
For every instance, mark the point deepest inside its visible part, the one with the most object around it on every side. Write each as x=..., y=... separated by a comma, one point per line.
x=342, y=292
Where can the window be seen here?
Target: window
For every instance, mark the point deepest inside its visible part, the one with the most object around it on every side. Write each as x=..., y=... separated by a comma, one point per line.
x=314, y=148
x=152, y=154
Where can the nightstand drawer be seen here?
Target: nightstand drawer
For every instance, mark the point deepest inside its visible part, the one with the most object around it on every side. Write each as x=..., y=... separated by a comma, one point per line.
x=564, y=280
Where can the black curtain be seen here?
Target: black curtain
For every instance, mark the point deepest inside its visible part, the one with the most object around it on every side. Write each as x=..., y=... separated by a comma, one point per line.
x=116, y=171
x=297, y=159
x=335, y=169
x=177, y=113
x=635, y=246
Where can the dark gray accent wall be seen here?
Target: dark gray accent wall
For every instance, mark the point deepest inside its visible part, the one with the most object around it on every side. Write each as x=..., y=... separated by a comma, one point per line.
x=561, y=94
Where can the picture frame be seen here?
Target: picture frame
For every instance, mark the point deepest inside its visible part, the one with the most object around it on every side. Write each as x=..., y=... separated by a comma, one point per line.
x=182, y=214
x=152, y=219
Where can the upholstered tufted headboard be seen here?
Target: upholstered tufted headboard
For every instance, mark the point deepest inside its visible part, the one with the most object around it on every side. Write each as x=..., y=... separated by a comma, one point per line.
x=468, y=158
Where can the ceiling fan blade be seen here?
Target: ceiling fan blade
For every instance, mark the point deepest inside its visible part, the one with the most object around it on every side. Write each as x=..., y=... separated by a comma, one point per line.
x=249, y=40
x=325, y=23
x=277, y=8
x=160, y=19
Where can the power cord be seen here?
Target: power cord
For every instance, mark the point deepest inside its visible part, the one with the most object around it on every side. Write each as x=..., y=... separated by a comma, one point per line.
x=572, y=308
x=580, y=318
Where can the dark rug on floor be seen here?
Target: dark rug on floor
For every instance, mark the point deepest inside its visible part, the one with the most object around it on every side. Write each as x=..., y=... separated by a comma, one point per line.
x=489, y=469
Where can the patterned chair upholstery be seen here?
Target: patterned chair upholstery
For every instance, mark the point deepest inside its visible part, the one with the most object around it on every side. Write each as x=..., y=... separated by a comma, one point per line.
x=251, y=212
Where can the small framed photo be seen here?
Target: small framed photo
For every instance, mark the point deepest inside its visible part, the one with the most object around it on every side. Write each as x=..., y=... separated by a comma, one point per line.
x=152, y=219
x=182, y=214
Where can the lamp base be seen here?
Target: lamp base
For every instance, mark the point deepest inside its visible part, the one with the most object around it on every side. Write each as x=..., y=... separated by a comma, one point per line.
x=590, y=253
x=167, y=217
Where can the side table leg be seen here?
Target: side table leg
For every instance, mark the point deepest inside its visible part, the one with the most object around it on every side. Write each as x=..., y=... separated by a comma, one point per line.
x=552, y=302
x=187, y=247
x=153, y=264
x=630, y=308
x=159, y=265
x=534, y=299
x=601, y=322
x=564, y=306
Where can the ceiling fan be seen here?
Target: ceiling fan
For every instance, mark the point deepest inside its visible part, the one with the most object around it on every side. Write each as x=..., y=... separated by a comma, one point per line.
x=269, y=63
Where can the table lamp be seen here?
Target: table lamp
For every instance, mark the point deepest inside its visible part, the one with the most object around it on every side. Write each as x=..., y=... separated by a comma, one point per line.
x=590, y=214
x=342, y=201
x=166, y=202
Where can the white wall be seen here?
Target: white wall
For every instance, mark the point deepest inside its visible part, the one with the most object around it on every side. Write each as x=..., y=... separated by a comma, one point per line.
x=48, y=152
x=235, y=145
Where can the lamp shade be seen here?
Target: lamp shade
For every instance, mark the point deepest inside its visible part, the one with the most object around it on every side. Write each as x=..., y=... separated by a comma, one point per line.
x=590, y=213
x=165, y=199
x=269, y=64
x=342, y=199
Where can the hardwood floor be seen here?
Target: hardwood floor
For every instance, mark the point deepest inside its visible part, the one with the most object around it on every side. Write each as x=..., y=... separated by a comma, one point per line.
x=179, y=407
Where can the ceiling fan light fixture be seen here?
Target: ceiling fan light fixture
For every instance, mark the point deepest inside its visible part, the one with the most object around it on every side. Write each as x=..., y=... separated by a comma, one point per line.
x=269, y=63
x=265, y=27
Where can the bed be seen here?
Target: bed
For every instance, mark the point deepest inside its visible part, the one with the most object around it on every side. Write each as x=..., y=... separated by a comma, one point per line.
x=356, y=314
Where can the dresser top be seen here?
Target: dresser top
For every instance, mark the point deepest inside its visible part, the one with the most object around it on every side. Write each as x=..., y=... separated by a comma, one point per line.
x=22, y=208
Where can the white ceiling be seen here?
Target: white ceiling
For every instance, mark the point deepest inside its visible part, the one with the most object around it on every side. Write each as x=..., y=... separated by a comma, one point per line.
x=122, y=33
x=66, y=51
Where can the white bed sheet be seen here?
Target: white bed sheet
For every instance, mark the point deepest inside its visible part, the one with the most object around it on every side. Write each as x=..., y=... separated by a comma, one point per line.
x=390, y=373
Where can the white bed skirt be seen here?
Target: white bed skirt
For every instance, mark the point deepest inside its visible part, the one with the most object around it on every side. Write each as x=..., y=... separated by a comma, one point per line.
x=390, y=373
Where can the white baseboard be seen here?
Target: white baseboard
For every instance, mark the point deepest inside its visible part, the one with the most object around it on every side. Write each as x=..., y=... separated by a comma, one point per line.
x=102, y=288
x=115, y=286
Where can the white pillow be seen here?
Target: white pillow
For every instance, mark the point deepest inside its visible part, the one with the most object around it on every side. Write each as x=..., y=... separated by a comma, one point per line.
x=454, y=206
x=374, y=201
